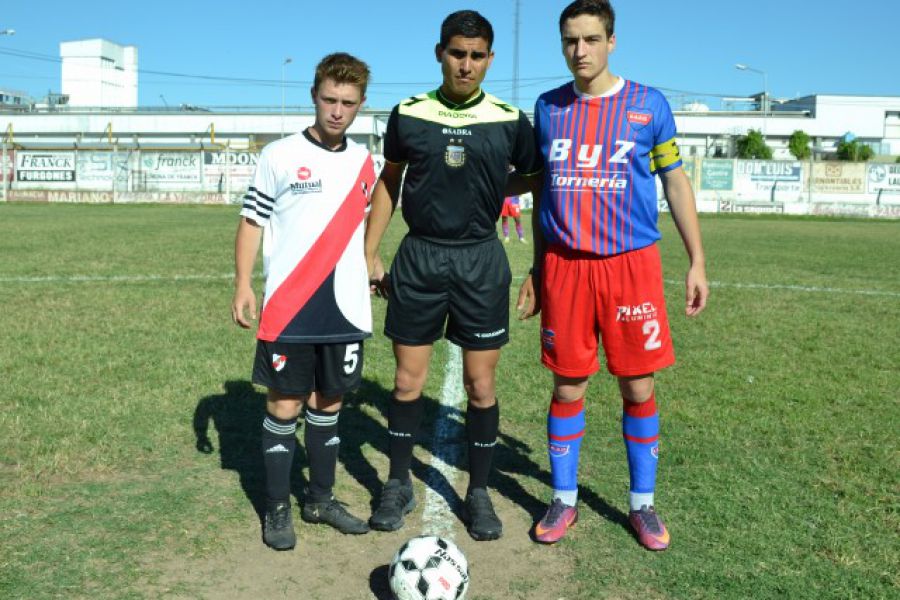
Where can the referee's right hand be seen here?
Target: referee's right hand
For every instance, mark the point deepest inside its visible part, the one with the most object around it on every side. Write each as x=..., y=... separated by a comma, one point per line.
x=529, y=301
x=378, y=278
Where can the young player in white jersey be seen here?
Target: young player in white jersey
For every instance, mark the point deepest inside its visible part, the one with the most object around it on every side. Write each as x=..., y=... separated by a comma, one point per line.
x=308, y=203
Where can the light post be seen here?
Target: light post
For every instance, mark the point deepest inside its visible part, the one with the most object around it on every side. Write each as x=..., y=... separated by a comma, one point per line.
x=3, y=180
x=765, y=99
x=285, y=63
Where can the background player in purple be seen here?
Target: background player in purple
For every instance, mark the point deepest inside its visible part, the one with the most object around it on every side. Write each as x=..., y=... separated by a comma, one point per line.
x=597, y=271
x=512, y=210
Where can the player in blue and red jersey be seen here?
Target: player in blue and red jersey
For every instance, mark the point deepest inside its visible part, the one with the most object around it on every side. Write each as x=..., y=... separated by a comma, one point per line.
x=597, y=267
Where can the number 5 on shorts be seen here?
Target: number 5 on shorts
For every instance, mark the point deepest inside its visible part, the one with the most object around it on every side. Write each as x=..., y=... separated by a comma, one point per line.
x=351, y=358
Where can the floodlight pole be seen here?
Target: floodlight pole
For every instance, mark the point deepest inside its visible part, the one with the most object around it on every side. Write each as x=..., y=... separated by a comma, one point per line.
x=764, y=105
x=515, y=73
x=4, y=182
x=284, y=63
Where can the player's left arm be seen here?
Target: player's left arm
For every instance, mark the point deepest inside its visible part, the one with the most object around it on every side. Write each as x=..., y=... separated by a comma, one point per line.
x=528, y=303
x=681, y=201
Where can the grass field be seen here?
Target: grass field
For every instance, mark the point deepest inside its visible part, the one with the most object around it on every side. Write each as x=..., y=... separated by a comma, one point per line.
x=779, y=460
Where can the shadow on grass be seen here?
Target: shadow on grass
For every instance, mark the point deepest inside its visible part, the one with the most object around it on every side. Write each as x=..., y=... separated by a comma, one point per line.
x=447, y=442
x=237, y=414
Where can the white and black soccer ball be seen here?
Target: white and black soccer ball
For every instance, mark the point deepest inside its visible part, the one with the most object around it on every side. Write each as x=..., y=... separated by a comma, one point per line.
x=429, y=567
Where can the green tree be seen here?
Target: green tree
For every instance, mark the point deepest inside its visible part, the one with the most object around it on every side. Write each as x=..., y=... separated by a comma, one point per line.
x=854, y=151
x=798, y=144
x=753, y=145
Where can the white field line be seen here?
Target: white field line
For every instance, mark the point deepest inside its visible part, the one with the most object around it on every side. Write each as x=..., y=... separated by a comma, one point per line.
x=447, y=449
x=776, y=286
x=113, y=278
x=794, y=288
x=516, y=279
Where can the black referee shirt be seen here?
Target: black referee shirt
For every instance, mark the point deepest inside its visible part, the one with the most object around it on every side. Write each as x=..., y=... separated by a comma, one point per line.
x=457, y=156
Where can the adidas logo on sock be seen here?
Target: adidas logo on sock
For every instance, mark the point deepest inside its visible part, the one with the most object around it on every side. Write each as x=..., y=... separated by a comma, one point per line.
x=333, y=441
x=277, y=448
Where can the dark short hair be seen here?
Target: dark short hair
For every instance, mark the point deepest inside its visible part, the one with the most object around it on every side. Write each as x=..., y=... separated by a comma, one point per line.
x=601, y=9
x=342, y=68
x=467, y=23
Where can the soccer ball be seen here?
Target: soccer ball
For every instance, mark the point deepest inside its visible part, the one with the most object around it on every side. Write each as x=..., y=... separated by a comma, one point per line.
x=429, y=567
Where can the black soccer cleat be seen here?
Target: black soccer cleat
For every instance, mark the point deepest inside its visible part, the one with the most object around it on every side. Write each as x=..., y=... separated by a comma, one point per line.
x=396, y=500
x=278, y=528
x=331, y=512
x=482, y=522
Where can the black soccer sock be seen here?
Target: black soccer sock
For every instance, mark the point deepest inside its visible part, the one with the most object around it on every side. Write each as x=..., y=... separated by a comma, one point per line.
x=278, y=444
x=322, y=443
x=404, y=419
x=482, y=427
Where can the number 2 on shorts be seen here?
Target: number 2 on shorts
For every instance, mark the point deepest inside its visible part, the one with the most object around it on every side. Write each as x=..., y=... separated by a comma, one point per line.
x=651, y=330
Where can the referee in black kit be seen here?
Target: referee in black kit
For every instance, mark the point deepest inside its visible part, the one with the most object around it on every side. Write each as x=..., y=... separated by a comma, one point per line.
x=450, y=276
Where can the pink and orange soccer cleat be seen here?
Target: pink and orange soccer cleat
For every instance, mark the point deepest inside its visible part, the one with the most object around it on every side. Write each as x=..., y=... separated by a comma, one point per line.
x=650, y=530
x=558, y=519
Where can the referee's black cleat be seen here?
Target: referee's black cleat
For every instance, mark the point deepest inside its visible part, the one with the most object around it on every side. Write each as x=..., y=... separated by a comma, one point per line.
x=278, y=528
x=331, y=512
x=396, y=500
x=482, y=522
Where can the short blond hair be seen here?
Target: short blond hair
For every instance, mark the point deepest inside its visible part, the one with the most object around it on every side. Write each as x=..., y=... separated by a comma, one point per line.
x=341, y=67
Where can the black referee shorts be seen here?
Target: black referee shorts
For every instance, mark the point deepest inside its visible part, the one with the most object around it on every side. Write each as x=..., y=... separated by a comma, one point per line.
x=464, y=286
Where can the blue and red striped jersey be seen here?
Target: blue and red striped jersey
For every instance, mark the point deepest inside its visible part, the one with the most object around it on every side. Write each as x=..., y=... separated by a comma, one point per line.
x=601, y=154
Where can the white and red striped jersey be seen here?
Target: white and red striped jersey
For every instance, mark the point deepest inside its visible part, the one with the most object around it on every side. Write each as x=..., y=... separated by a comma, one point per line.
x=312, y=204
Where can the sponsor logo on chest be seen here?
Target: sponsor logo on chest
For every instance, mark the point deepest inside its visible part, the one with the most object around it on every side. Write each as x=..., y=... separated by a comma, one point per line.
x=305, y=183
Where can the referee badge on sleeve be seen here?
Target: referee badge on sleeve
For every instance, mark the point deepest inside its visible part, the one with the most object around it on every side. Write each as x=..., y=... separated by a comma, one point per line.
x=455, y=155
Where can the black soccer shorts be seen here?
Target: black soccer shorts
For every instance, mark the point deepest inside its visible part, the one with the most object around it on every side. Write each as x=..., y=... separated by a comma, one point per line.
x=299, y=369
x=464, y=286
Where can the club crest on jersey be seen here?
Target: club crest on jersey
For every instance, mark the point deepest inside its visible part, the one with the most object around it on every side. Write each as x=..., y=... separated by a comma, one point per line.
x=303, y=173
x=455, y=154
x=278, y=362
x=638, y=118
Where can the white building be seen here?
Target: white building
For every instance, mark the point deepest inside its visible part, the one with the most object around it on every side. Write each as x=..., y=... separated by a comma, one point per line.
x=99, y=73
x=826, y=118
x=14, y=99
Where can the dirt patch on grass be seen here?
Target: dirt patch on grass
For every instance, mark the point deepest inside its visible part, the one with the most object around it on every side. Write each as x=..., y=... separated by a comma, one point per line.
x=328, y=565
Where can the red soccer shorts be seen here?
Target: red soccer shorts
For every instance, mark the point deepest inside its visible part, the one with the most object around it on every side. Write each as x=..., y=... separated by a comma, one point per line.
x=618, y=299
x=511, y=208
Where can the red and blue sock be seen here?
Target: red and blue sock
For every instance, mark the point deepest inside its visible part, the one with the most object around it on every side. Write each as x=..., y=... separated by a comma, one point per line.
x=640, y=428
x=565, y=430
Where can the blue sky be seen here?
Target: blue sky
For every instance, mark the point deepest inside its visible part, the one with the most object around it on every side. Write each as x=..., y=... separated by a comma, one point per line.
x=688, y=48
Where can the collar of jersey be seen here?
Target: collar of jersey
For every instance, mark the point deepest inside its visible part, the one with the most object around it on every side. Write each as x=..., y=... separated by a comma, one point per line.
x=615, y=89
x=454, y=106
x=316, y=142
